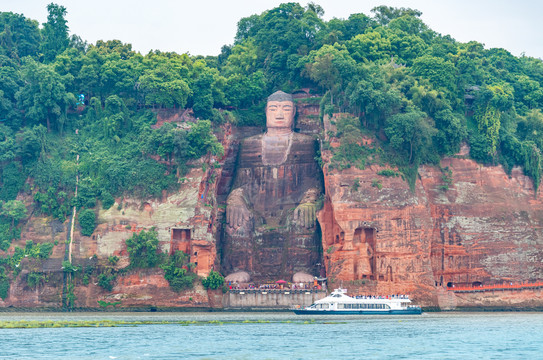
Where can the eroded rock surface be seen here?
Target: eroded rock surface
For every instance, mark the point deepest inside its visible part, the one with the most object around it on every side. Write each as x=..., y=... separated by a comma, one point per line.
x=484, y=229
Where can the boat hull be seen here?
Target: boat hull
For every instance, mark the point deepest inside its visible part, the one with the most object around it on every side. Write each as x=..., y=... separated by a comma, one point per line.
x=410, y=311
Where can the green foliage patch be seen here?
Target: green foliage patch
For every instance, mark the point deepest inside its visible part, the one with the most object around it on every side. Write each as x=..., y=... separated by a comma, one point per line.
x=143, y=249
x=213, y=281
x=177, y=271
x=87, y=220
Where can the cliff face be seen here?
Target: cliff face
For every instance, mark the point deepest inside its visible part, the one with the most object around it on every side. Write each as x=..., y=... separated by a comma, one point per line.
x=484, y=229
x=185, y=220
x=487, y=226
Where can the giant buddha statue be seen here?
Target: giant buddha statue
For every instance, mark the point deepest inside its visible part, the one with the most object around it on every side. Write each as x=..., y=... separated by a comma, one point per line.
x=271, y=228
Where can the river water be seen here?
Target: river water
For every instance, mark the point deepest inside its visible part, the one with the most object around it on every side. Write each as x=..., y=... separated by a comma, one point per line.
x=454, y=335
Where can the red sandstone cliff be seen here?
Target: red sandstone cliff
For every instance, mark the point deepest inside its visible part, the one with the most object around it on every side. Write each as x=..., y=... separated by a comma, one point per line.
x=485, y=229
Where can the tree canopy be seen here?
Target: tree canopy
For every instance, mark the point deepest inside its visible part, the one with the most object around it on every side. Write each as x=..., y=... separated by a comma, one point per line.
x=419, y=93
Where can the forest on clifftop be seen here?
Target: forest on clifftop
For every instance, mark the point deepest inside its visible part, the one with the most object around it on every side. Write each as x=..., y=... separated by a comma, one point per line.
x=418, y=93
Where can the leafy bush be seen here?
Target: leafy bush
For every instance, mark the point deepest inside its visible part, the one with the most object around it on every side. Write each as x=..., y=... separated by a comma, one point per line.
x=105, y=280
x=213, y=281
x=4, y=283
x=107, y=200
x=176, y=271
x=376, y=183
x=388, y=173
x=33, y=279
x=143, y=249
x=53, y=202
x=12, y=180
x=356, y=185
x=446, y=178
x=38, y=251
x=106, y=304
x=69, y=268
x=87, y=220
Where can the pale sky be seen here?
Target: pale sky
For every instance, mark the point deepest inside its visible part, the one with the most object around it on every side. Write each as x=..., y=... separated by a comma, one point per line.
x=202, y=27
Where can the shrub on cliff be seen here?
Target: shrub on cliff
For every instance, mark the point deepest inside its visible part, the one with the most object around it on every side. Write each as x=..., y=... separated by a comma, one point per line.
x=105, y=280
x=176, y=271
x=107, y=200
x=4, y=283
x=33, y=279
x=143, y=249
x=87, y=220
x=213, y=281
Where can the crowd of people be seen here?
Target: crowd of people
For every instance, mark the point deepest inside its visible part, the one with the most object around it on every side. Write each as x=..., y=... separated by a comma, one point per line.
x=382, y=296
x=276, y=286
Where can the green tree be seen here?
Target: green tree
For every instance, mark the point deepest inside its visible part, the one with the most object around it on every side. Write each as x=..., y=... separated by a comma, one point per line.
x=19, y=36
x=202, y=141
x=491, y=103
x=4, y=283
x=177, y=272
x=410, y=134
x=87, y=220
x=385, y=14
x=213, y=281
x=11, y=81
x=12, y=180
x=439, y=72
x=371, y=46
x=44, y=97
x=55, y=32
x=202, y=95
x=451, y=131
x=372, y=98
x=14, y=210
x=143, y=249
x=106, y=279
x=331, y=67
x=29, y=145
x=163, y=86
x=243, y=91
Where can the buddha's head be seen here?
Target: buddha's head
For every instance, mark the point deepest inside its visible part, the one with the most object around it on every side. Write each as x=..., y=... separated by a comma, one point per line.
x=280, y=111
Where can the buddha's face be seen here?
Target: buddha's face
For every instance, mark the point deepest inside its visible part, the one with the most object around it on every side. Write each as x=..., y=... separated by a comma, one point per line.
x=280, y=114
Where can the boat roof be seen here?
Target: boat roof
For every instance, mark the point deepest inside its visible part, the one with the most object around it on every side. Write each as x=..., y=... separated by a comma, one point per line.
x=340, y=295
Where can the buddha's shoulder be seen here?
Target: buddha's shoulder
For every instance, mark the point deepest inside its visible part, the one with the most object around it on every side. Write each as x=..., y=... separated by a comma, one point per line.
x=295, y=136
x=251, y=141
x=254, y=138
x=303, y=138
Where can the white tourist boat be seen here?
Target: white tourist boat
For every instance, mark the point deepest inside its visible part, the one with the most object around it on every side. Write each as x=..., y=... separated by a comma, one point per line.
x=339, y=303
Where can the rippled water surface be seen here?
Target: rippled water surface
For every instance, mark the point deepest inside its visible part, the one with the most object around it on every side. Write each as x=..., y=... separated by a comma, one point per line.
x=285, y=336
